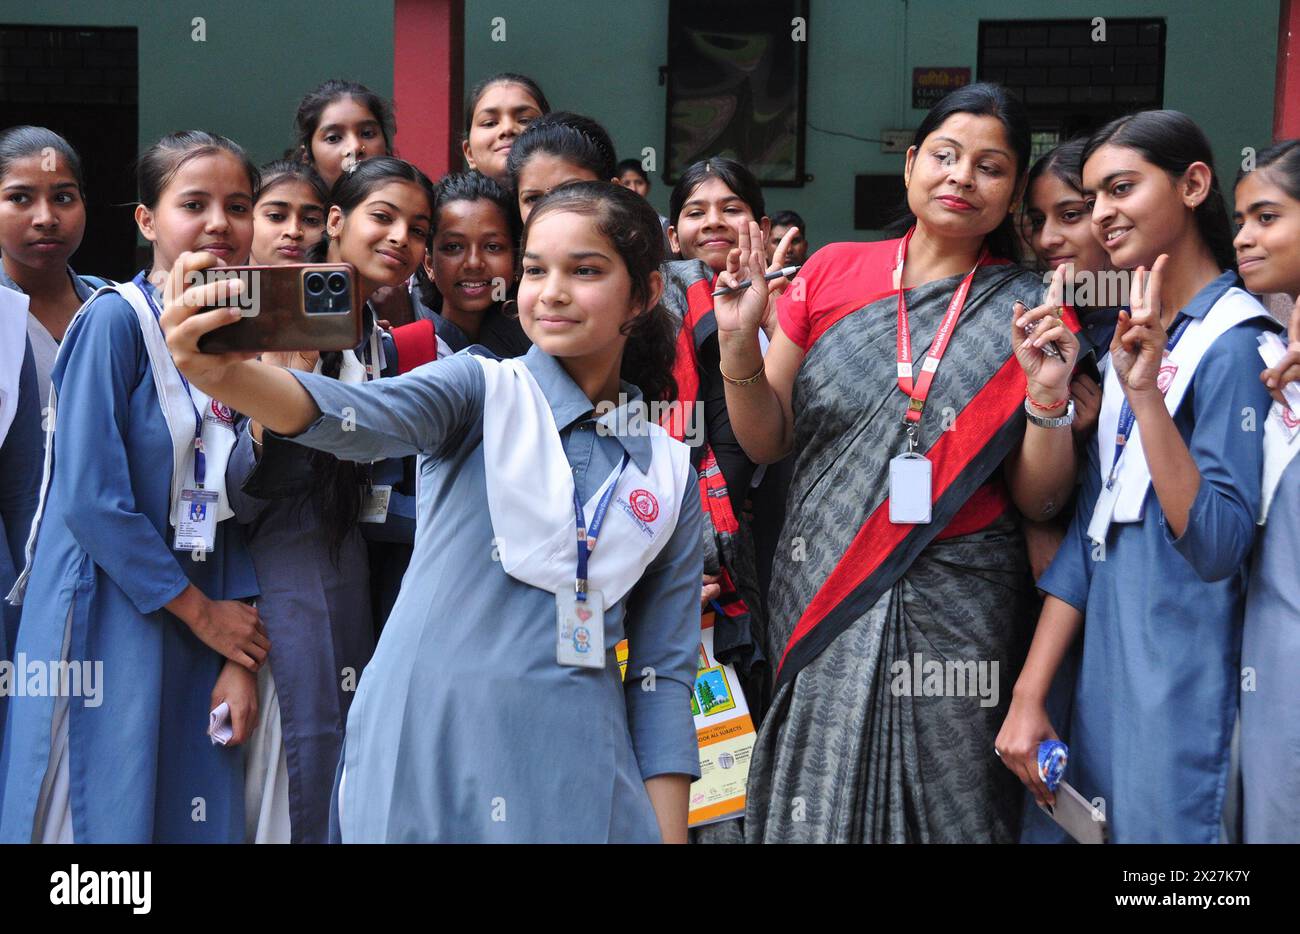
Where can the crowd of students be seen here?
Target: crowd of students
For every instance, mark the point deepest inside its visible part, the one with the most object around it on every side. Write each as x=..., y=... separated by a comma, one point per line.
x=912, y=452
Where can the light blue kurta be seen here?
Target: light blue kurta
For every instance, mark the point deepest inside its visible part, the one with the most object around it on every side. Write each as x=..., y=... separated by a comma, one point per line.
x=1156, y=697
x=464, y=727
x=142, y=768
x=1270, y=655
x=21, y=453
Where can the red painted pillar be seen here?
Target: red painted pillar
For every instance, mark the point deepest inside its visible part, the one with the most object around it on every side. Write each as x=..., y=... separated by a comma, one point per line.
x=1286, y=105
x=428, y=78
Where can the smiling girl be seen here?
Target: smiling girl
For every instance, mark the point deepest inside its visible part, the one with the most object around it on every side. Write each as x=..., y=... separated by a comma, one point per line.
x=498, y=722
x=472, y=261
x=500, y=108
x=135, y=566
x=710, y=204
x=1268, y=255
x=1153, y=566
x=341, y=123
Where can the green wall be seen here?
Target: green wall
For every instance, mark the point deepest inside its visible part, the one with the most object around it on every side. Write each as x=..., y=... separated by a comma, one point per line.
x=246, y=79
x=1220, y=69
x=603, y=59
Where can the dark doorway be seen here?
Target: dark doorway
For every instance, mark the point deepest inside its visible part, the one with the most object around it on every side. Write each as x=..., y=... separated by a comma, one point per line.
x=81, y=82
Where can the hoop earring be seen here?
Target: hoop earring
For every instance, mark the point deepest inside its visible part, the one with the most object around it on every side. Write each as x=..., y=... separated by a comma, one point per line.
x=505, y=308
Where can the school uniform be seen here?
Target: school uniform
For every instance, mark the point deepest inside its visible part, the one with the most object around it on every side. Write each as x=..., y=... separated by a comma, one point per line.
x=465, y=728
x=44, y=346
x=20, y=462
x=133, y=764
x=1155, y=703
x=1270, y=651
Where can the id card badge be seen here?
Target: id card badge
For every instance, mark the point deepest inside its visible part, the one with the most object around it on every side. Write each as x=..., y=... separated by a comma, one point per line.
x=909, y=490
x=197, y=529
x=1103, y=513
x=374, y=504
x=580, y=629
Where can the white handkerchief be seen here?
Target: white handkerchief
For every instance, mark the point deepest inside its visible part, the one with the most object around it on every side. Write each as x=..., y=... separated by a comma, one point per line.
x=219, y=726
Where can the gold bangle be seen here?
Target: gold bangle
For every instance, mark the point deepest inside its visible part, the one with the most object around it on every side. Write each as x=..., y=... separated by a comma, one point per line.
x=742, y=382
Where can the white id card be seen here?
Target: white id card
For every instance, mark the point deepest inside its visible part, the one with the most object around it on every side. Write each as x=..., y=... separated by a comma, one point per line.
x=374, y=504
x=197, y=528
x=580, y=629
x=909, y=490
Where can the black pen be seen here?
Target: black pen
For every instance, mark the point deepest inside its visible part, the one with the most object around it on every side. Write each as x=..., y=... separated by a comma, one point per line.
x=787, y=271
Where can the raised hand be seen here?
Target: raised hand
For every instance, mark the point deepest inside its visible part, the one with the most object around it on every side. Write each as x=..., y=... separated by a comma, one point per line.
x=776, y=287
x=1288, y=368
x=1049, y=378
x=743, y=311
x=1138, y=348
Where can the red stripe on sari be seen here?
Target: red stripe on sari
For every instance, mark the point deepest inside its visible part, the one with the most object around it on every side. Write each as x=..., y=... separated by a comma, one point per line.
x=981, y=419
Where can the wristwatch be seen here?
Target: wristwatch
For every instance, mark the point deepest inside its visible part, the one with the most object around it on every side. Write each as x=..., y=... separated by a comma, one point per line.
x=1059, y=421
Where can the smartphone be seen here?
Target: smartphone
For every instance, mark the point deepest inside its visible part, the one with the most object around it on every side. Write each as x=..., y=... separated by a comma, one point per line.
x=300, y=306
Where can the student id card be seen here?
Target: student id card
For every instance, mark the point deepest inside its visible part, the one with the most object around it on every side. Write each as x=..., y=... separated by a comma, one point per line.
x=197, y=528
x=909, y=490
x=580, y=629
x=374, y=504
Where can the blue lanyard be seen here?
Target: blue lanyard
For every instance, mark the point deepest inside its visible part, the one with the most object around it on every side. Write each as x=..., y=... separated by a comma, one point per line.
x=587, y=535
x=200, y=462
x=1127, y=417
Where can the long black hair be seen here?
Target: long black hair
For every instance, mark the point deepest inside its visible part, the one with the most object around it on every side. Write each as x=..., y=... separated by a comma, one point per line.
x=466, y=186
x=568, y=136
x=158, y=165
x=307, y=119
x=732, y=173
x=505, y=77
x=1282, y=162
x=629, y=223
x=1171, y=140
x=982, y=99
x=336, y=483
x=19, y=142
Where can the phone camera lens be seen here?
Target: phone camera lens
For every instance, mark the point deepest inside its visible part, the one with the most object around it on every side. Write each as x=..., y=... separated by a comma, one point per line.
x=315, y=283
x=338, y=283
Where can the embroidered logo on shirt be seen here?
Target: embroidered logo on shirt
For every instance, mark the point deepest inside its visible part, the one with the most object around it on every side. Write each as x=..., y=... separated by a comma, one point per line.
x=644, y=505
x=222, y=412
x=1166, y=377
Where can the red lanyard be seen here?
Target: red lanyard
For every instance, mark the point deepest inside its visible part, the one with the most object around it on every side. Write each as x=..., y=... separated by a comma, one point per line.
x=921, y=390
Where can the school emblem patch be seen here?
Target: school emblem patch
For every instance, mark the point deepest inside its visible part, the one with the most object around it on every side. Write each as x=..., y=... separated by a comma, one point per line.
x=644, y=504
x=222, y=412
x=1166, y=377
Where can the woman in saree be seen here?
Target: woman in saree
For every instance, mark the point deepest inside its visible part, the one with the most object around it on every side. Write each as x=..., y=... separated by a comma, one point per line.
x=885, y=619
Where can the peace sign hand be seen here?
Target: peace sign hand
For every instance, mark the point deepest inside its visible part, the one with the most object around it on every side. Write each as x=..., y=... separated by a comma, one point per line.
x=1048, y=377
x=743, y=311
x=1288, y=368
x=1138, y=348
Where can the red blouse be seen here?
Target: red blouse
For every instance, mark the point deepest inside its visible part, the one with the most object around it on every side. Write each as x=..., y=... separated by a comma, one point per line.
x=836, y=281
